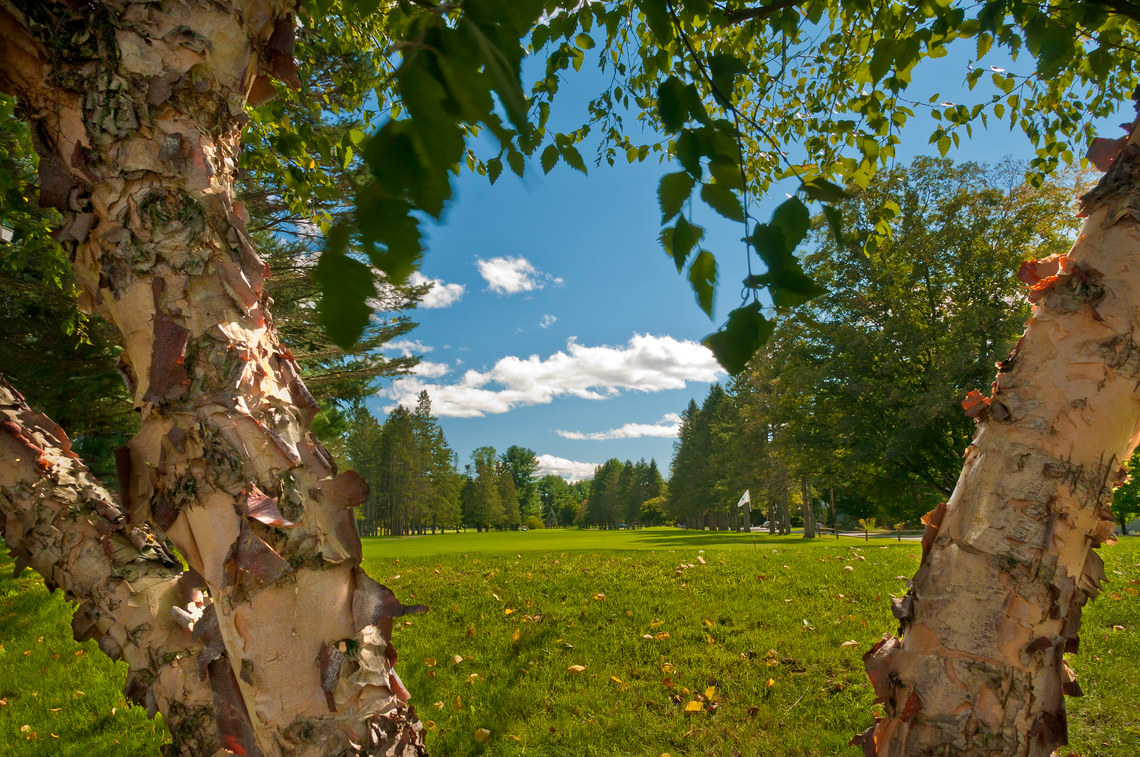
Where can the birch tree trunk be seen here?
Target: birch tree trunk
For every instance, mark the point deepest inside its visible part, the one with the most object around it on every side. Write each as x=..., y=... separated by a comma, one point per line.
x=1008, y=562
x=136, y=110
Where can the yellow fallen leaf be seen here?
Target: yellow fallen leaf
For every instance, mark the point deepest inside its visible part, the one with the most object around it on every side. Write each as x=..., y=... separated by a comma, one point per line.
x=615, y=679
x=656, y=623
x=439, y=705
x=771, y=683
x=430, y=662
x=710, y=639
x=694, y=706
x=576, y=668
x=429, y=725
x=663, y=635
x=508, y=611
x=668, y=668
x=459, y=703
x=599, y=597
x=515, y=636
x=482, y=735
x=458, y=659
x=772, y=663
x=709, y=623
x=710, y=692
x=25, y=728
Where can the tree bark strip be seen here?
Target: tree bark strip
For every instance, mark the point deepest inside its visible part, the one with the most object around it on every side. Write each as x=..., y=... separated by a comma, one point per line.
x=137, y=110
x=1008, y=562
x=131, y=593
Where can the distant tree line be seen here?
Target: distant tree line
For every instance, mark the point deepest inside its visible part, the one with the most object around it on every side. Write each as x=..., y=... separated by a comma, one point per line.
x=853, y=408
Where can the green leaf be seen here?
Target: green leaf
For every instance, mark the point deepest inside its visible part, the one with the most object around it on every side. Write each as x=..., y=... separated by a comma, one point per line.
x=584, y=41
x=672, y=193
x=657, y=18
x=702, y=277
x=793, y=288
x=768, y=241
x=1053, y=45
x=494, y=169
x=835, y=221
x=823, y=190
x=723, y=200
x=573, y=158
x=671, y=109
x=688, y=150
x=549, y=158
x=679, y=241
x=346, y=286
x=517, y=162
x=881, y=59
x=745, y=332
x=724, y=69
x=793, y=219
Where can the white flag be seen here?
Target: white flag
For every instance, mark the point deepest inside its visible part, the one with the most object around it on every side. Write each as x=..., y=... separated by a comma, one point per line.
x=744, y=499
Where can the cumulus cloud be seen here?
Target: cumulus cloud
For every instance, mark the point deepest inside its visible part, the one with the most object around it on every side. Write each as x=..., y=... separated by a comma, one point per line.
x=646, y=364
x=441, y=294
x=407, y=347
x=547, y=321
x=431, y=370
x=571, y=470
x=669, y=425
x=511, y=275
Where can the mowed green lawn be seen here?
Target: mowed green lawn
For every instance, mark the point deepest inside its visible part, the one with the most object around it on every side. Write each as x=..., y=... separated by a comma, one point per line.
x=539, y=639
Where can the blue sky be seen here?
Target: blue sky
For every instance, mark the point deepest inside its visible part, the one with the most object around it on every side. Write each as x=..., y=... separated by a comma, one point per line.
x=557, y=322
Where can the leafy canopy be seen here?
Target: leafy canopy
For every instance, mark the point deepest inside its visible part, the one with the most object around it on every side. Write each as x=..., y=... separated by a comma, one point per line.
x=739, y=95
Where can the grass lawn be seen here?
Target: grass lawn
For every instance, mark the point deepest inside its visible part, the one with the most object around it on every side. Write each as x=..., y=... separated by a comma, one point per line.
x=750, y=637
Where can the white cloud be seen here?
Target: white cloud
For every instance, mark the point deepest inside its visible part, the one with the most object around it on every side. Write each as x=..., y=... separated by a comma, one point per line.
x=669, y=425
x=441, y=294
x=407, y=347
x=511, y=275
x=547, y=321
x=431, y=370
x=570, y=470
x=646, y=364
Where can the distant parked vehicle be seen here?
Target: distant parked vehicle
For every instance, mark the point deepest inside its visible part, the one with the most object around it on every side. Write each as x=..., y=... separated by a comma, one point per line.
x=523, y=528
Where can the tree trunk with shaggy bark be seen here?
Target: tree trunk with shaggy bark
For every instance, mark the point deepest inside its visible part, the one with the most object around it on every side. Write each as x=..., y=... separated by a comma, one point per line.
x=136, y=110
x=1009, y=561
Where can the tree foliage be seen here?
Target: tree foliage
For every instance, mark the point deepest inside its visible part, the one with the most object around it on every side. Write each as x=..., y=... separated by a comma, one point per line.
x=740, y=97
x=860, y=391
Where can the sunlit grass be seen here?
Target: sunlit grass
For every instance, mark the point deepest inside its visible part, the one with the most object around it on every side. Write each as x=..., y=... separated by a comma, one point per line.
x=754, y=635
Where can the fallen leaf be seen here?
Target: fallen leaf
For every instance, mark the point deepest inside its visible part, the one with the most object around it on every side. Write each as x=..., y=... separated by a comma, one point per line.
x=694, y=706
x=430, y=662
x=439, y=705
x=458, y=659
x=848, y=568
x=429, y=725
x=25, y=728
x=669, y=683
x=482, y=735
x=701, y=560
x=771, y=682
x=647, y=636
x=615, y=679
x=599, y=597
x=508, y=611
x=576, y=668
x=515, y=636
x=656, y=623
x=850, y=643
x=710, y=693
x=753, y=711
x=662, y=636
x=668, y=668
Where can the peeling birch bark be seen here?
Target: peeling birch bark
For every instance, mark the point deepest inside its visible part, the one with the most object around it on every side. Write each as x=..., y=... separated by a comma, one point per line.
x=1009, y=561
x=131, y=593
x=137, y=110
